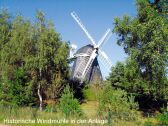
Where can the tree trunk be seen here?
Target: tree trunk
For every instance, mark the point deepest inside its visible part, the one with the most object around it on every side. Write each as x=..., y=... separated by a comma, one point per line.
x=40, y=98
x=167, y=106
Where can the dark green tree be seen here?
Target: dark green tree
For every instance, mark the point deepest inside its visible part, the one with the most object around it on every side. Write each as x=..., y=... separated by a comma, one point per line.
x=13, y=83
x=126, y=76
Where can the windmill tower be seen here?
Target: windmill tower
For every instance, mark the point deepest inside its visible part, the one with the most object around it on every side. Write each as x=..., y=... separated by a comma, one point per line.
x=86, y=66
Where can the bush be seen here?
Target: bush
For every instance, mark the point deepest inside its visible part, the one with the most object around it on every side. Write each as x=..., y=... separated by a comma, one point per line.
x=116, y=105
x=68, y=105
x=163, y=119
x=92, y=92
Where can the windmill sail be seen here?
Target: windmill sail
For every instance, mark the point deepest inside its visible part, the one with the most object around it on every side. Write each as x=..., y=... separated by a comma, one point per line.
x=86, y=66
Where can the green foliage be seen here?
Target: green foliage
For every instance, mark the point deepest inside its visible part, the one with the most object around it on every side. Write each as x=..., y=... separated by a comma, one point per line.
x=91, y=92
x=163, y=119
x=69, y=106
x=32, y=55
x=89, y=95
x=161, y=6
x=144, y=39
x=18, y=89
x=127, y=76
x=116, y=105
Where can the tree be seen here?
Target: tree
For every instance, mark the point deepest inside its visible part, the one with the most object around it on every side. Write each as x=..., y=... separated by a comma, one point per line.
x=144, y=39
x=33, y=62
x=69, y=105
x=126, y=76
x=160, y=5
x=47, y=63
x=14, y=86
x=5, y=25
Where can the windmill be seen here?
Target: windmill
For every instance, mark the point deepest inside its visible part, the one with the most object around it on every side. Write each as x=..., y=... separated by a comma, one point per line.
x=86, y=66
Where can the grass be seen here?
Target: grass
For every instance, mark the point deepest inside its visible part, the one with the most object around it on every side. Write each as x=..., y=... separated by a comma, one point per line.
x=89, y=108
x=33, y=113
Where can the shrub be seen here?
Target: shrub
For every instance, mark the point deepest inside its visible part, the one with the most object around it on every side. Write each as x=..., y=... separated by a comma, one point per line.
x=92, y=92
x=163, y=119
x=68, y=105
x=116, y=105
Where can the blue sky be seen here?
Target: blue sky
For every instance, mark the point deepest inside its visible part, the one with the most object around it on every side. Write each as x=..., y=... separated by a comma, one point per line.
x=96, y=15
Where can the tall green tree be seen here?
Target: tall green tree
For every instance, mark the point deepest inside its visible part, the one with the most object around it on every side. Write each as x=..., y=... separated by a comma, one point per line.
x=33, y=62
x=144, y=39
